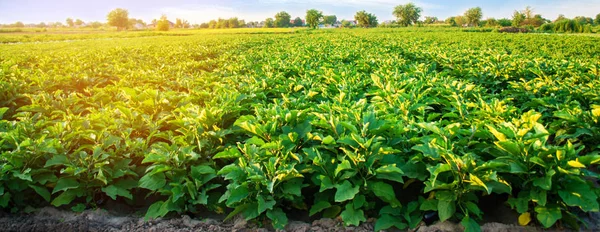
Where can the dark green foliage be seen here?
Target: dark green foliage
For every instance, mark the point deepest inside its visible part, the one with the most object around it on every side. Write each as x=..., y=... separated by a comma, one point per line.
x=354, y=124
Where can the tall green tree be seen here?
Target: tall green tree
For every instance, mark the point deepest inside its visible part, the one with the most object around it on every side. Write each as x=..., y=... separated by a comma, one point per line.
x=473, y=16
x=79, y=22
x=329, y=19
x=298, y=22
x=560, y=17
x=407, y=14
x=313, y=17
x=517, y=18
x=233, y=22
x=163, y=24
x=597, y=20
x=269, y=23
x=282, y=19
x=118, y=18
x=365, y=19
x=70, y=22
x=430, y=20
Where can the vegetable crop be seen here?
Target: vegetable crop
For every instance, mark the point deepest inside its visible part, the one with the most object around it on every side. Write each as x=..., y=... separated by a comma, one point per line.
x=385, y=124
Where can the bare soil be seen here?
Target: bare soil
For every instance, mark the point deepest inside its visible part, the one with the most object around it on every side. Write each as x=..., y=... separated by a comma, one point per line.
x=52, y=219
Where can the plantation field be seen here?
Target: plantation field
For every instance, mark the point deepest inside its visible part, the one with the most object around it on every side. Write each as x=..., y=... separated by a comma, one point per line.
x=392, y=124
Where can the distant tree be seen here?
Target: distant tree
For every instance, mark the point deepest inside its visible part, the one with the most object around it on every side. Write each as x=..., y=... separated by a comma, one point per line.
x=19, y=24
x=313, y=17
x=517, y=18
x=163, y=24
x=282, y=19
x=365, y=19
x=212, y=24
x=269, y=23
x=451, y=21
x=118, y=18
x=178, y=23
x=42, y=25
x=560, y=17
x=597, y=20
x=79, y=22
x=504, y=22
x=329, y=19
x=430, y=20
x=584, y=20
x=536, y=21
x=407, y=14
x=70, y=22
x=58, y=24
x=140, y=22
x=131, y=23
x=154, y=21
x=473, y=16
x=298, y=22
x=491, y=22
x=347, y=24
x=528, y=12
x=461, y=21
x=95, y=25
x=233, y=23
x=203, y=25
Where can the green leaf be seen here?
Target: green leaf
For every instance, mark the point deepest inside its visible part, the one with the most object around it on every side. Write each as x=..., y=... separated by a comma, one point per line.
x=332, y=211
x=318, y=207
x=293, y=187
x=544, y=182
x=113, y=191
x=325, y=183
x=390, y=172
x=65, y=184
x=345, y=165
x=477, y=182
x=78, y=208
x=345, y=191
x=328, y=140
x=64, y=198
x=157, y=210
x=359, y=201
x=238, y=194
x=57, y=160
x=446, y=209
x=579, y=194
x=539, y=196
x=470, y=224
x=547, y=216
x=429, y=205
x=42, y=191
x=230, y=153
x=250, y=212
x=200, y=170
x=386, y=193
x=153, y=182
x=278, y=218
x=351, y=216
x=5, y=199
x=510, y=147
x=264, y=205
x=3, y=111
x=500, y=136
x=387, y=221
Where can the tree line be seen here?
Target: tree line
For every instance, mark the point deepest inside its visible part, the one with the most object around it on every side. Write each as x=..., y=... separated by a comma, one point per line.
x=406, y=15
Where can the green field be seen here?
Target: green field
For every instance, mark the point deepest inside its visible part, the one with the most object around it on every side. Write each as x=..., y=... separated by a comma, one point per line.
x=390, y=124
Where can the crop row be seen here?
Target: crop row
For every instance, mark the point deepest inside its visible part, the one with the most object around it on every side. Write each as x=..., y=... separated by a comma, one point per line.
x=355, y=124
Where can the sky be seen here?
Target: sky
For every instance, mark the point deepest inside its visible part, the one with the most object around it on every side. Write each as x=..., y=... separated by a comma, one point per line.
x=199, y=11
